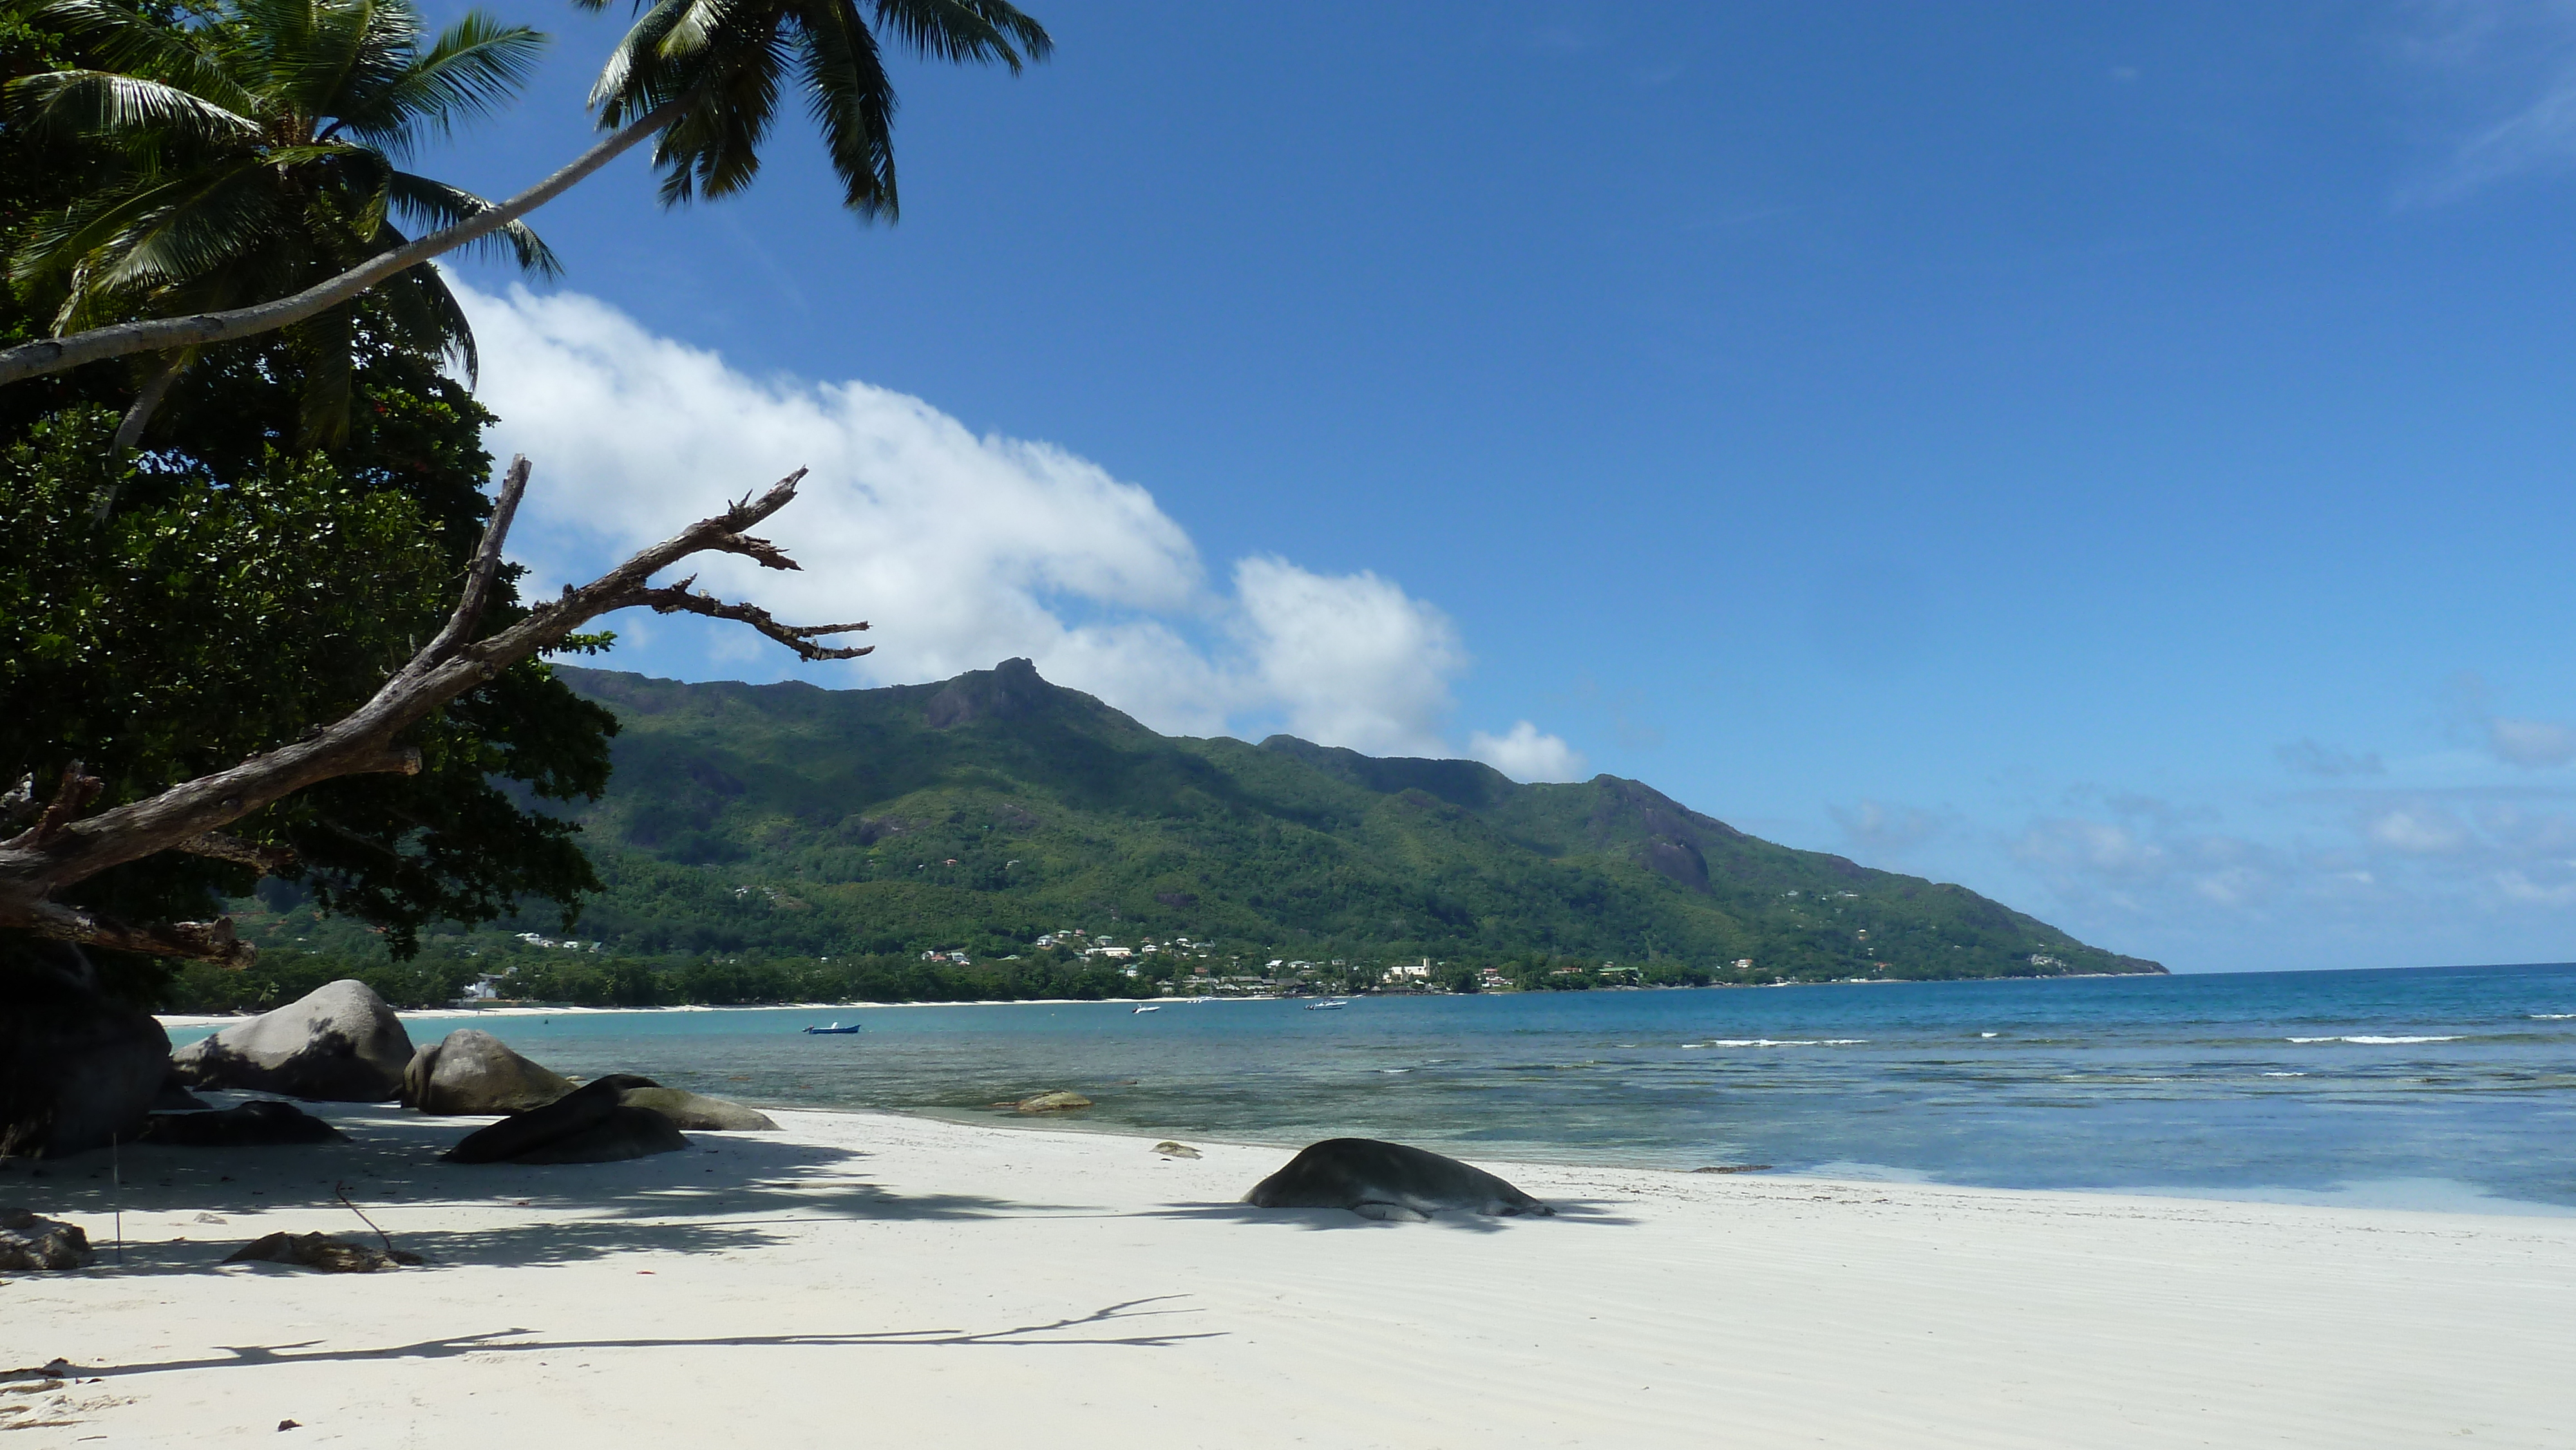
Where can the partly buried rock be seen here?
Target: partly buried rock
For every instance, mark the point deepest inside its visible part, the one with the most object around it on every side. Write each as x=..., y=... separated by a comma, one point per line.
x=29, y=1242
x=265, y=1123
x=77, y=1071
x=1059, y=1101
x=586, y=1125
x=340, y=1043
x=1387, y=1181
x=472, y=1071
x=318, y=1251
x=698, y=1114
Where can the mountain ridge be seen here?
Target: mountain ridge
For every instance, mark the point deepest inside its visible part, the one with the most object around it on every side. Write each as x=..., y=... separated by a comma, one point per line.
x=979, y=812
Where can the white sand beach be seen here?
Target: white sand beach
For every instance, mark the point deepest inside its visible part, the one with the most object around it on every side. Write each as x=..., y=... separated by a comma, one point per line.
x=875, y=1279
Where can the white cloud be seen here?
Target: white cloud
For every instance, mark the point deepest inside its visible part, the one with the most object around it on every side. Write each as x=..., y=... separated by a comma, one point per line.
x=1525, y=753
x=2422, y=830
x=960, y=549
x=2532, y=744
x=2508, y=71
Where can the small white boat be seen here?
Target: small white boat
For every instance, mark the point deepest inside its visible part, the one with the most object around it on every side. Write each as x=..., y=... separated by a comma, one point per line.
x=1326, y=1006
x=1151, y=1007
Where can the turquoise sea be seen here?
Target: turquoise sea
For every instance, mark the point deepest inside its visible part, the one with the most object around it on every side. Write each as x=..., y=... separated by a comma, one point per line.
x=2435, y=1088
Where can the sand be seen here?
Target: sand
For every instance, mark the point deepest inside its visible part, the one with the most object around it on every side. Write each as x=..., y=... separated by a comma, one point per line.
x=873, y=1279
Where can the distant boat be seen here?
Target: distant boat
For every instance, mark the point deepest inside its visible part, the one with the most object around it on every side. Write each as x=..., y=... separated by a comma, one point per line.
x=835, y=1030
x=1326, y=1006
x=1151, y=1007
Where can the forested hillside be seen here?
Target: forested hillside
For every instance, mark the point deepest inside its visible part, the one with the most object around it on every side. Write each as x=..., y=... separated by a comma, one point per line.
x=787, y=821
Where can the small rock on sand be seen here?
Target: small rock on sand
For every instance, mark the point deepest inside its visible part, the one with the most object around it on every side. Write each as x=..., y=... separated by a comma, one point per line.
x=319, y=1251
x=262, y=1123
x=1171, y=1149
x=30, y=1242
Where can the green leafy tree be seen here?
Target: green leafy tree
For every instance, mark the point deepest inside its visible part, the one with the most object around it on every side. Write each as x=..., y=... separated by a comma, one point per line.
x=250, y=153
x=702, y=79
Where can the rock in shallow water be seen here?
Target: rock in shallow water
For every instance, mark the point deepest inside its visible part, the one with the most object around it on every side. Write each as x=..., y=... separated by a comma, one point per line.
x=1059, y=1101
x=340, y=1043
x=1387, y=1181
x=472, y=1071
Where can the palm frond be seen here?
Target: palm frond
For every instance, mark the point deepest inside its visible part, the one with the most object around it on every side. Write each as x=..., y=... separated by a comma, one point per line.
x=428, y=319
x=323, y=345
x=713, y=149
x=209, y=221
x=437, y=205
x=474, y=68
x=123, y=108
x=959, y=31
x=634, y=81
x=143, y=46
x=850, y=96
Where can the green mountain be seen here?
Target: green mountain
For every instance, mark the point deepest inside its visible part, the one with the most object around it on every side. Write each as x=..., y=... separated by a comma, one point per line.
x=789, y=821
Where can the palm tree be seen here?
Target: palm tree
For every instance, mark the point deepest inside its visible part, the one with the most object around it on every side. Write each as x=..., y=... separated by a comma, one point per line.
x=258, y=156
x=702, y=76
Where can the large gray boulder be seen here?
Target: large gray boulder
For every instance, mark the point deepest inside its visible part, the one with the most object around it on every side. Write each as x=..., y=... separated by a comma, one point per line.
x=1387, y=1181
x=698, y=1114
x=586, y=1125
x=76, y=1069
x=339, y=1044
x=472, y=1071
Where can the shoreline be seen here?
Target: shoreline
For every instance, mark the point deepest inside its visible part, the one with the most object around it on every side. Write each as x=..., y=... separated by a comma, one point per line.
x=993, y=1282
x=518, y=1009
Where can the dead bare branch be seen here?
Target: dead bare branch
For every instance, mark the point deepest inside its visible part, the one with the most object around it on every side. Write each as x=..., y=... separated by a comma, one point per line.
x=61, y=850
x=76, y=788
x=221, y=847
x=202, y=941
x=680, y=599
x=20, y=802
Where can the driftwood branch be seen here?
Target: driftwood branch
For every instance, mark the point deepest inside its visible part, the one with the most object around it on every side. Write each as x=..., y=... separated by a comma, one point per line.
x=63, y=848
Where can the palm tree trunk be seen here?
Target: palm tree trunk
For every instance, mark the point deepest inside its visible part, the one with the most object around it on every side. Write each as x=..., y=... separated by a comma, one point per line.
x=156, y=390
x=129, y=434
x=58, y=354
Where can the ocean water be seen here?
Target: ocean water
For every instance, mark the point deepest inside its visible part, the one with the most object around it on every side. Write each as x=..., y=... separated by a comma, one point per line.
x=2441, y=1088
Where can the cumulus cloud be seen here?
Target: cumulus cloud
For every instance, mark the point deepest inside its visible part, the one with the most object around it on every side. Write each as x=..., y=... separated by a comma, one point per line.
x=1526, y=753
x=961, y=549
x=2531, y=744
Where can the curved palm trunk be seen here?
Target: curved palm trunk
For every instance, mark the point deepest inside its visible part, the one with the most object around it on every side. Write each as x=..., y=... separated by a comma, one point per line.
x=156, y=390
x=58, y=354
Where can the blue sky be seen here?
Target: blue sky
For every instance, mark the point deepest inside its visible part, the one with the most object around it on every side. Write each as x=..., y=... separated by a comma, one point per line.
x=2112, y=457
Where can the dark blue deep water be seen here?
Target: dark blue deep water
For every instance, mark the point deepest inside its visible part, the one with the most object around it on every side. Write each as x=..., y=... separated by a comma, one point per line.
x=2451, y=1087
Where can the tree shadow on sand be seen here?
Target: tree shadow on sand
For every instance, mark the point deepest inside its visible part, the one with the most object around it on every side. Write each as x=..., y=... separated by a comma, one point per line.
x=728, y=1191
x=1113, y=1324
x=1568, y=1210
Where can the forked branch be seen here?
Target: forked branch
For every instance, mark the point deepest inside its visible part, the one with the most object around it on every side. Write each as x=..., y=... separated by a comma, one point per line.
x=62, y=848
